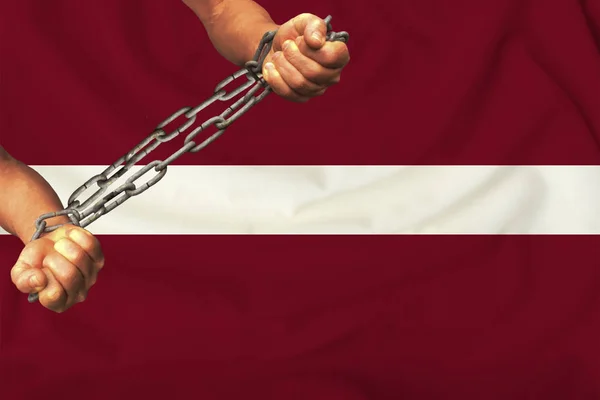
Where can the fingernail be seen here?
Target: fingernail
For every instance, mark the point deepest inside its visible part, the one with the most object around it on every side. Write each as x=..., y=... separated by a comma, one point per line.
x=269, y=70
x=266, y=72
x=77, y=236
x=317, y=36
x=286, y=44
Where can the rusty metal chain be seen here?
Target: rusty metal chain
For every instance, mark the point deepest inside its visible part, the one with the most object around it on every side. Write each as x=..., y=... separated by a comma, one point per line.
x=83, y=212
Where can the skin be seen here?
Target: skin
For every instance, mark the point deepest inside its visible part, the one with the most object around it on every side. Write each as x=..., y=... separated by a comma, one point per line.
x=301, y=64
x=63, y=265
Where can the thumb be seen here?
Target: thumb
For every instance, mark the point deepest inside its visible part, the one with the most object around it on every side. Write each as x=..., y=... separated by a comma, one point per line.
x=313, y=28
x=28, y=279
x=27, y=274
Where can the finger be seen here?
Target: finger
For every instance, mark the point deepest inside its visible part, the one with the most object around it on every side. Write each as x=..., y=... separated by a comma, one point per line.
x=30, y=262
x=293, y=78
x=89, y=243
x=312, y=28
x=68, y=276
x=28, y=279
x=332, y=55
x=78, y=257
x=279, y=86
x=53, y=297
x=310, y=69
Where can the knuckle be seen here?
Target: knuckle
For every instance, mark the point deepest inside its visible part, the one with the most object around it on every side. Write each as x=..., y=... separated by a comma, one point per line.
x=82, y=237
x=305, y=15
x=61, y=231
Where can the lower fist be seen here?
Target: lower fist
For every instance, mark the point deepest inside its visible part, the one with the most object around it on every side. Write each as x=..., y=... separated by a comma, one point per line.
x=61, y=266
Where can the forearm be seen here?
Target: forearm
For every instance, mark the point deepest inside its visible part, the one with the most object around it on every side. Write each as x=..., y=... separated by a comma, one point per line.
x=24, y=196
x=235, y=27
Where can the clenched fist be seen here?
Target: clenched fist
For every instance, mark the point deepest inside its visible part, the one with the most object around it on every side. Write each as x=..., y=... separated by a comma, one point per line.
x=301, y=63
x=61, y=266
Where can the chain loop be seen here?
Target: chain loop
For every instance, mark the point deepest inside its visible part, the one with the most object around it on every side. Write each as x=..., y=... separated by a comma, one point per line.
x=84, y=212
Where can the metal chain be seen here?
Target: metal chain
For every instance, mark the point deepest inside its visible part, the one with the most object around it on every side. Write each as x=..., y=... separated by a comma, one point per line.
x=83, y=212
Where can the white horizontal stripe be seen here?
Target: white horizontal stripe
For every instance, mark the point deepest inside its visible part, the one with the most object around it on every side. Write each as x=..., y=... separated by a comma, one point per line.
x=351, y=200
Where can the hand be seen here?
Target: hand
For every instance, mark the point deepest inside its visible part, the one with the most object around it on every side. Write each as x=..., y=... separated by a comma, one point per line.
x=301, y=64
x=61, y=266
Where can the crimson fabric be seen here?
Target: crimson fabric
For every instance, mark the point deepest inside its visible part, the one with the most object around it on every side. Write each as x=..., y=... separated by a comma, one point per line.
x=310, y=317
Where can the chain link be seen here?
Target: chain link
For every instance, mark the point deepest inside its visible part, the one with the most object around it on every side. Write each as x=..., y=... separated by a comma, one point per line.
x=83, y=212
